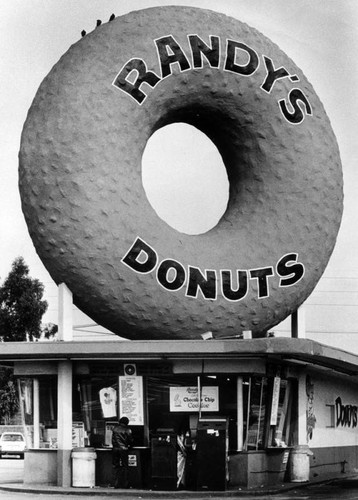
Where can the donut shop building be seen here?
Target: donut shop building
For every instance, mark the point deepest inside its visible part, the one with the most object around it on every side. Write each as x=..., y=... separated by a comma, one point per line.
x=265, y=404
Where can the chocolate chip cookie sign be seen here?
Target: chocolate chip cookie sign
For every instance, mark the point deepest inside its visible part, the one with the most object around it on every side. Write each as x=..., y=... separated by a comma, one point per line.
x=82, y=192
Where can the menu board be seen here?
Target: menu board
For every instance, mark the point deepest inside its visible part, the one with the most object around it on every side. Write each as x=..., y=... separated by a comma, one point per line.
x=131, y=399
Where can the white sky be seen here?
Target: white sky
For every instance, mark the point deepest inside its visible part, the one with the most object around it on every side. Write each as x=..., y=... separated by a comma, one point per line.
x=319, y=35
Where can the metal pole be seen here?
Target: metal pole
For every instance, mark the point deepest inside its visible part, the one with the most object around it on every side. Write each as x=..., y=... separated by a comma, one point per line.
x=260, y=409
x=199, y=397
x=36, y=409
x=240, y=414
x=248, y=413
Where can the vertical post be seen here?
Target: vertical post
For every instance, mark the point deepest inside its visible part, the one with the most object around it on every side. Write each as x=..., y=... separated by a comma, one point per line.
x=36, y=410
x=199, y=397
x=298, y=323
x=302, y=409
x=64, y=390
x=248, y=414
x=240, y=414
x=65, y=326
x=64, y=423
x=22, y=411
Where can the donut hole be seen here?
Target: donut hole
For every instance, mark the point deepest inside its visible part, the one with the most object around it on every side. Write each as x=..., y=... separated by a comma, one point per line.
x=235, y=137
x=185, y=178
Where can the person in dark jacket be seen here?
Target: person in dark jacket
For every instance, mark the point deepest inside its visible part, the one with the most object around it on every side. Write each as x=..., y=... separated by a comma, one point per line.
x=122, y=440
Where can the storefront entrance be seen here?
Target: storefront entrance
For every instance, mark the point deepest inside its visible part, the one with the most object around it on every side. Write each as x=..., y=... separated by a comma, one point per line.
x=175, y=431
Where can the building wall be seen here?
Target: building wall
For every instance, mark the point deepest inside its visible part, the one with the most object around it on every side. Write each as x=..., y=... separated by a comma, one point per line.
x=332, y=424
x=336, y=420
x=333, y=461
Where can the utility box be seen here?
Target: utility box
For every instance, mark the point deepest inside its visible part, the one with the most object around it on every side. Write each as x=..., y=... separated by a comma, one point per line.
x=212, y=454
x=164, y=461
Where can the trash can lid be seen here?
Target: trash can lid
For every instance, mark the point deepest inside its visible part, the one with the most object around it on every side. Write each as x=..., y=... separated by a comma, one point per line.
x=88, y=449
x=302, y=449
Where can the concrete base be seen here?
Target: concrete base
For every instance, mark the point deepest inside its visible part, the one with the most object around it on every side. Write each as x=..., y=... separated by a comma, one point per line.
x=40, y=467
x=332, y=461
x=64, y=468
x=253, y=469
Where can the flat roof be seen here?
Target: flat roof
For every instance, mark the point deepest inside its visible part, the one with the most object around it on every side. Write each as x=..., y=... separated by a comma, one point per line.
x=278, y=348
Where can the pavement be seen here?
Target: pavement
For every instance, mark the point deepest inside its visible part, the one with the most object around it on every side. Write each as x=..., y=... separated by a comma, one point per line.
x=345, y=480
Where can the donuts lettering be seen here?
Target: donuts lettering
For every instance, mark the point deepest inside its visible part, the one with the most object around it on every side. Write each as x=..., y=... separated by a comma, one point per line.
x=169, y=52
x=81, y=187
x=143, y=259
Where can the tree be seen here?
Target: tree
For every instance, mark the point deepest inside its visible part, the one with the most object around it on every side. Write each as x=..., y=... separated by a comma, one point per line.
x=9, y=400
x=49, y=330
x=22, y=306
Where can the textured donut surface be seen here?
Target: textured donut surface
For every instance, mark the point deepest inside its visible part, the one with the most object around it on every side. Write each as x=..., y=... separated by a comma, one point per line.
x=84, y=201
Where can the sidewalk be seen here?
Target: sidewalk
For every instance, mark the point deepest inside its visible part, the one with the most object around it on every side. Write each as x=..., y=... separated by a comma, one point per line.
x=177, y=494
x=352, y=480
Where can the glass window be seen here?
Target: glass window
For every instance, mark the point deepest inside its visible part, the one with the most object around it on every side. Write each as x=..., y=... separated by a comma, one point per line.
x=94, y=403
x=281, y=431
x=255, y=414
x=160, y=416
x=269, y=412
x=158, y=396
x=12, y=437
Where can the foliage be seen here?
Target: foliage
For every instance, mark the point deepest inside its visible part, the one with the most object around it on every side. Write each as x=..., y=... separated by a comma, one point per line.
x=49, y=330
x=21, y=310
x=21, y=305
x=9, y=401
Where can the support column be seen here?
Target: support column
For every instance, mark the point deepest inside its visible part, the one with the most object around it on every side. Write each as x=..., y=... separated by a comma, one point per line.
x=64, y=423
x=36, y=414
x=64, y=390
x=298, y=323
x=302, y=409
x=65, y=302
x=240, y=414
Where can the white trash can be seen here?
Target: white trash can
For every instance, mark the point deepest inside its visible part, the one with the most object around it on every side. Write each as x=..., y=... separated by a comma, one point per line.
x=299, y=464
x=83, y=467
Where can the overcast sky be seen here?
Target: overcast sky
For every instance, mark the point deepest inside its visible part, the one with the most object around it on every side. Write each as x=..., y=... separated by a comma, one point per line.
x=319, y=35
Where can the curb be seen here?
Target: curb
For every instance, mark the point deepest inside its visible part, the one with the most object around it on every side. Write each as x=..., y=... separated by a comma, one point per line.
x=111, y=492
x=177, y=494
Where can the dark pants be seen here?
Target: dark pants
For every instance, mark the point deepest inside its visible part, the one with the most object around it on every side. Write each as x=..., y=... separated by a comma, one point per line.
x=120, y=466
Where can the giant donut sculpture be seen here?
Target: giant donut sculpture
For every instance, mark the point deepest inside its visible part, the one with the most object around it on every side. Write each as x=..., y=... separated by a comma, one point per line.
x=87, y=211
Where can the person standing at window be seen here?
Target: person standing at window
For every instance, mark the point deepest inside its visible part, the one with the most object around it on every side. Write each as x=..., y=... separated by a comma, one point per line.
x=122, y=440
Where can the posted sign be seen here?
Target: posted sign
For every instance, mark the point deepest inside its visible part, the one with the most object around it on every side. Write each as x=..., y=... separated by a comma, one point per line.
x=131, y=399
x=186, y=399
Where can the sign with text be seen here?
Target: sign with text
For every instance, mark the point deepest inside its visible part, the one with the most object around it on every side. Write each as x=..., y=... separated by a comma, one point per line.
x=108, y=433
x=275, y=400
x=186, y=399
x=131, y=399
x=78, y=434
